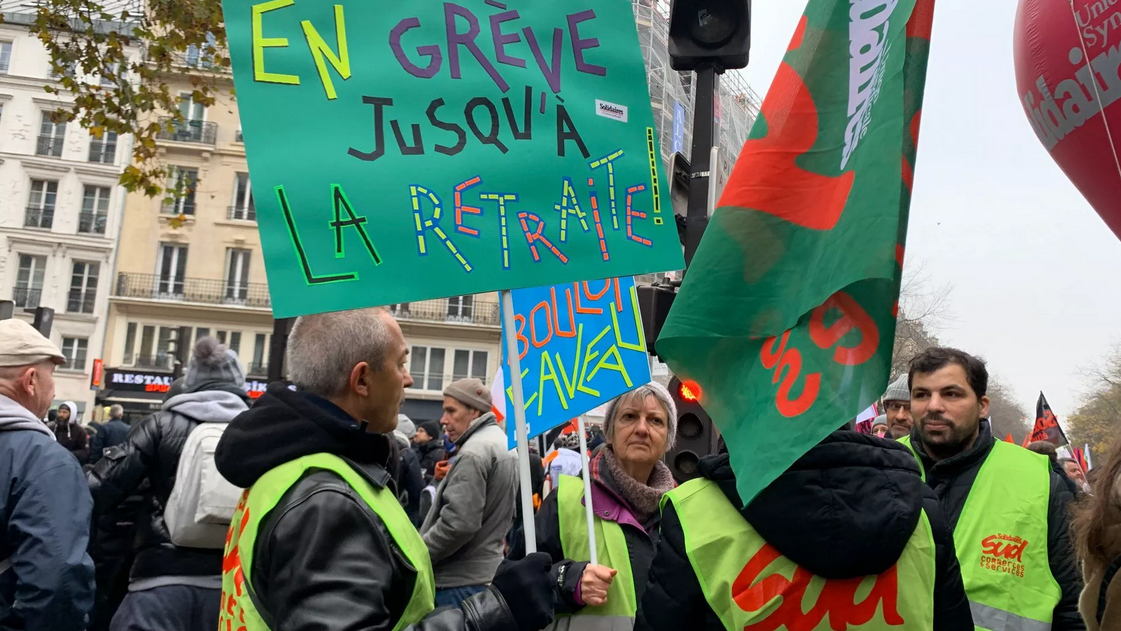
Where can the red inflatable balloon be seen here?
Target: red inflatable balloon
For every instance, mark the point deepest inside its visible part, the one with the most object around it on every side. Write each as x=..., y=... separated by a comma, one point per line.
x=1068, y=73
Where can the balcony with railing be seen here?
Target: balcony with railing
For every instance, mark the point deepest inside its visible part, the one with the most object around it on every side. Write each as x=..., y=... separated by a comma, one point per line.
x=102, y=152
x=92, y=223
x=78, y=301
x=49, y=146
x=27, y=297
x=258, y=369
x=39, y=217
x=237, y=213
x=473, y=311
x=191, y=131
x=201, y=290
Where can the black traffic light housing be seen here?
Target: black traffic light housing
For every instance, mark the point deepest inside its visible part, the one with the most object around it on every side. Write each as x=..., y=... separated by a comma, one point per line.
x=709, y=32
x=696, y=436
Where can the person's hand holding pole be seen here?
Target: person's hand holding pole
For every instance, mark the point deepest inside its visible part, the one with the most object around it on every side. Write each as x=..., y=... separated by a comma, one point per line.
x=594, y=583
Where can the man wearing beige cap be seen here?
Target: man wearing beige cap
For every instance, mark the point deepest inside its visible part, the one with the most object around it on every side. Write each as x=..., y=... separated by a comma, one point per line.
x=46, y=577
x=474, y=504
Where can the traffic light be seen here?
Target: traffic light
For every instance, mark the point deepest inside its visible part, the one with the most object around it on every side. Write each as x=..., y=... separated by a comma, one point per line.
x=654, y=302
x=43, y=321
x=709, y=32
x=696, y=436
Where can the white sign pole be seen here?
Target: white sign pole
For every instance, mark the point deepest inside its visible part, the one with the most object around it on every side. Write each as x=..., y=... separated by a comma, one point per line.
x=522, y=431
x=588, y=510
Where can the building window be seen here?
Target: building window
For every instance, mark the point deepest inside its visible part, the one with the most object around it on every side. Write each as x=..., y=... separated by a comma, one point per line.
x=111, y=75
x=202, y=56
x=243, y=207
x=201, y=332
x=163, y=347
x=130, y=343
x=5, y=56
x=235, y=342
x=51, y=137
x=40, y=204
x=220, y=336
x=238, y=137
x=469, y=364
x=104, y=149
x=427, y=368
x=95, y=209
x=237, y=274
x=190, y=109
x=461, y=309
x=260, y=343
x=29, y=281
x=74, y=348
x=83, y=287
x=181, y=190
x=67, y=71
x=173, y=268
x=147, y=337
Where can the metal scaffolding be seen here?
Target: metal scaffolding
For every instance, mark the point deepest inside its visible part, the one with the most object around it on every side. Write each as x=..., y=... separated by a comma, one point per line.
x=671, y=94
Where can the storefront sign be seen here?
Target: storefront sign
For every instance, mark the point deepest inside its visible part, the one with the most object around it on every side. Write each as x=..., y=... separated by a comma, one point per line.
x=137, y=381
x=98, y=370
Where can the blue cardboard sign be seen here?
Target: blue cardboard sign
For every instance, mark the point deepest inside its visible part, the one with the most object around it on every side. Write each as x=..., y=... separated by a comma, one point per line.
x=580, y=345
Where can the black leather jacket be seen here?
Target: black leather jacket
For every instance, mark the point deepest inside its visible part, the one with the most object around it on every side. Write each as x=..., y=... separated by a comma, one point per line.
x=151, y=452
x=323, y=558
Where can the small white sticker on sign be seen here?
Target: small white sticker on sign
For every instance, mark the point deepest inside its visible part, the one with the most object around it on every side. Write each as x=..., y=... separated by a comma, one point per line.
x=611, y=110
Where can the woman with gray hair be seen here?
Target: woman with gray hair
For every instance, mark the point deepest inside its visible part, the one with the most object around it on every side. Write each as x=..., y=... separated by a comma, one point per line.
x=628, y=481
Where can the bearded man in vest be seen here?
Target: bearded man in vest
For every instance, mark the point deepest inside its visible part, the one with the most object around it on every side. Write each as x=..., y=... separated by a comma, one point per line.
x=848, y=537
x=1007, y=508
x=319, y=540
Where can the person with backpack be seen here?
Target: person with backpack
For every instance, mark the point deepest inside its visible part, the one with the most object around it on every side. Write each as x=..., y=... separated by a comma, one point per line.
x=176, y=578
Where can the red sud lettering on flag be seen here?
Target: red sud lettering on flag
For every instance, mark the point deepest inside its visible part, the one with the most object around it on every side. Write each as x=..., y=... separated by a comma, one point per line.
x=1003, y=553
x=231, y=616
x=829, y=325
x=754, y=590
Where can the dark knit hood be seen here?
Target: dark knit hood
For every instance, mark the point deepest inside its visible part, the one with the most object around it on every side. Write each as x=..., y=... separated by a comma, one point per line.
x=845, y=509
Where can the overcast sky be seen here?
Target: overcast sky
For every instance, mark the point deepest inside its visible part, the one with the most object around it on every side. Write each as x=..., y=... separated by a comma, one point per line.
x=1036, y=274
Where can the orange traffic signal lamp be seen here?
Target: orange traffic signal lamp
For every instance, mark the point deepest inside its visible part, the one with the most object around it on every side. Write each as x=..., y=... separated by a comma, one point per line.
x=689, y=391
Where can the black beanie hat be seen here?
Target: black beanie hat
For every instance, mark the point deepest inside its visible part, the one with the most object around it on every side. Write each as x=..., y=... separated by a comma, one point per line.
x=432, y=428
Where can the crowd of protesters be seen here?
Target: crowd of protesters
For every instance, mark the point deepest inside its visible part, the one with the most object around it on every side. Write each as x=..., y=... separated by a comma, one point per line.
x=354, y=517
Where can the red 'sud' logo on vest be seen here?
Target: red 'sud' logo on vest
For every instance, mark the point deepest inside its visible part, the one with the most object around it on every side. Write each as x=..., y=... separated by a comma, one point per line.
x=835, y=600
x=1004, y=553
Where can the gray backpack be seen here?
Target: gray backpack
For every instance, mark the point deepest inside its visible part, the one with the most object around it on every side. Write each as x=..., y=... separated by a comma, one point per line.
x=202, y=502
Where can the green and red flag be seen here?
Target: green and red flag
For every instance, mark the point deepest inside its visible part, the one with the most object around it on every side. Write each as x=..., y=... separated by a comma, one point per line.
x=787, y=315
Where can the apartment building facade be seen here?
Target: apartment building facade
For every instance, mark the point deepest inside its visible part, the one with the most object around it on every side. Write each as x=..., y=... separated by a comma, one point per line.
x=194, y=259
x=191, y=257
x=60, y=209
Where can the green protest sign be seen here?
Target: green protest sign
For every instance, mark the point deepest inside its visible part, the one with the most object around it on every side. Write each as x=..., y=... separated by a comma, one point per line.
x=412, y=150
